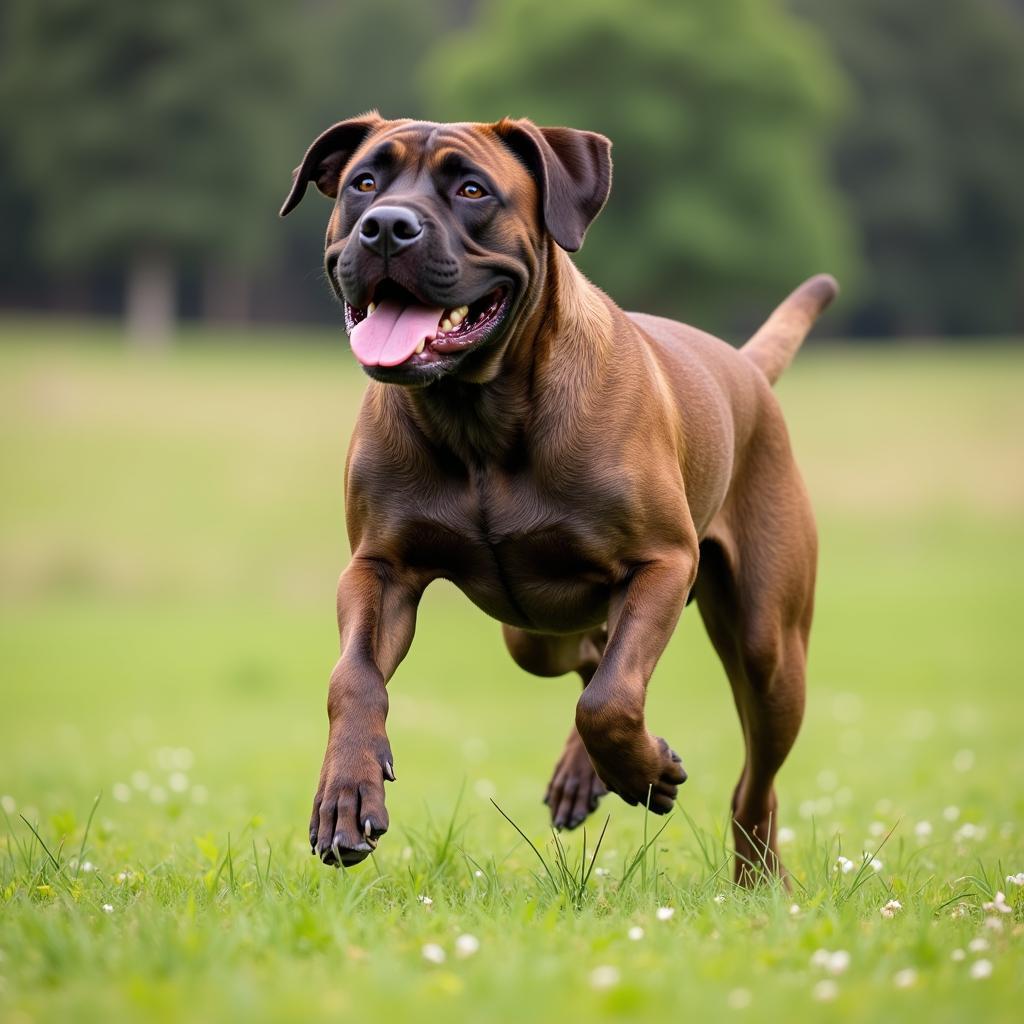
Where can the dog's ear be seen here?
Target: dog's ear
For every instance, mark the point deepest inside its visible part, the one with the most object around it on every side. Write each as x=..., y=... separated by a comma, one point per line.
x=573, y=171
x=327, y=156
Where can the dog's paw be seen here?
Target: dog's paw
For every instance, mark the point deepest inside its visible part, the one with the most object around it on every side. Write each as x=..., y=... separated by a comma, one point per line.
x=349, y=815
x=649, y=770
x=575, y=789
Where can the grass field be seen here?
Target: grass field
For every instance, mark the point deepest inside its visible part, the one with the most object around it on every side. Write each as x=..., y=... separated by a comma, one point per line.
x=170, y=535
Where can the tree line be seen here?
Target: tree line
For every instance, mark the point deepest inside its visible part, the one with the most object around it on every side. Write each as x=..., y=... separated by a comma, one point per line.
x=145, y=148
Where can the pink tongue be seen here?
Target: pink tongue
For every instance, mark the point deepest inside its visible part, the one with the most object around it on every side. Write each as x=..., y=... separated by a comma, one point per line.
x=393, y=332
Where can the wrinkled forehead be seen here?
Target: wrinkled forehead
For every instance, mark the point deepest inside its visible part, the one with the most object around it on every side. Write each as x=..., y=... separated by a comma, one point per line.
x=468, y=148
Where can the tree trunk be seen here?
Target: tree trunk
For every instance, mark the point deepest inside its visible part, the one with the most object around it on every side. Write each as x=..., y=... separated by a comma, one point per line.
x=150, y=301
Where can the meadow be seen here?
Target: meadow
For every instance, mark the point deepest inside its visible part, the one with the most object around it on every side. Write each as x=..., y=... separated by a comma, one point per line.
x=171, y=531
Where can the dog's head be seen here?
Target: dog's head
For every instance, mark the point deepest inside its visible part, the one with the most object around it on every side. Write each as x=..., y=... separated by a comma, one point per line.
x=438, y=233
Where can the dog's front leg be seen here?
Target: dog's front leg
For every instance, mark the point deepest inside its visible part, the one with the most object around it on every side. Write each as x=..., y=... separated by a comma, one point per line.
x=376, y=620
x=610, y=713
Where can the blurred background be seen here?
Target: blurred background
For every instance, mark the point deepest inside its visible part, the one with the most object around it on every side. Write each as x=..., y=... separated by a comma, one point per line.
x=144, y=150
x=176, y=394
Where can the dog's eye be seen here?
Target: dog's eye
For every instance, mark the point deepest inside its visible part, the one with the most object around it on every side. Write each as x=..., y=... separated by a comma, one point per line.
x=472, y=190
x=365, y=183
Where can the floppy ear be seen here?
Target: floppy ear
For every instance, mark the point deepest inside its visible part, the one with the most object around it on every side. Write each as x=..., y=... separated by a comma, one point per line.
x=327, y=156
x=573, y=169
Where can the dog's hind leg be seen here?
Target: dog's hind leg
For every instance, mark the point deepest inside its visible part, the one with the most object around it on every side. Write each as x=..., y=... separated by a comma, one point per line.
x=574, y=789
x=755, y=592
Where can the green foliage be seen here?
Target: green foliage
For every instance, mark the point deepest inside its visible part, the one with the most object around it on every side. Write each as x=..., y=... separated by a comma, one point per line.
x=142, y=127
x=756, y=142
x=719, y=114
x=932, y=159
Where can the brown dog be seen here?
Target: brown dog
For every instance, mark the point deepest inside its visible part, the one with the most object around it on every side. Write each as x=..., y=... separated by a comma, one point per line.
x=567, y=465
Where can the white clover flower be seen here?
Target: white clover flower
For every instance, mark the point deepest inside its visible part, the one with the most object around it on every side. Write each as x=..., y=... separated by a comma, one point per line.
x=958, y=955
x=876, y=865
x=602, y=872
x=485, y=789
x=433, y=953
x=425, y=900
x=993, y=923
x=876, y=829
x=891, y=909
x=738, y=999
x=834, y=962
x=665, y=913
x=959, y=911
x=720, y=898
x=108, y=908
x=981, y=969
x=999, y=904
x=845, y=865
x=605, y=976
x=124, y=876
x=182, y=759
x=88, y=866
x=478, y=873
x=794, y=909
x=178, y=782
x=635, y=934
x=951, y=813
x=786, y=835
x=8, y=803
x=1017, y=879
x=826, y=990
x=122, y=792
x=466, y=945
x=978, y=945
x=906, y=978
x=923, y=829
x=968, y=830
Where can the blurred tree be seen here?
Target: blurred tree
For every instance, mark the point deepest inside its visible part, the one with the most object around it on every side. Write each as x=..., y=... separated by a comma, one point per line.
x=932, y=159
x=148, y=135
x=719, y=114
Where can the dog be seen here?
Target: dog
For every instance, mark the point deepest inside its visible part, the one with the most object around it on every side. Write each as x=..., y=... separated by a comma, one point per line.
x=579, y=472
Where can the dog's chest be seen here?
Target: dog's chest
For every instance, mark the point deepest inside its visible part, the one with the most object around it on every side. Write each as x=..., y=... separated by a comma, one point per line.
x=527, y=556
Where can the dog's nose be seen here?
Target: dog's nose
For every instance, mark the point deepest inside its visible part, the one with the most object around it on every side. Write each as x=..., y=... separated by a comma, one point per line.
x=387, y=230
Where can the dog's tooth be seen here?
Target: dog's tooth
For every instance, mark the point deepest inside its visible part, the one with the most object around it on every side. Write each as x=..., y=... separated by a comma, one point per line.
x=370, y=308
x=389, y=772
x=366, y=828
x=463, y=312
x=446, y=325
x=456, y=317
x=421, y=346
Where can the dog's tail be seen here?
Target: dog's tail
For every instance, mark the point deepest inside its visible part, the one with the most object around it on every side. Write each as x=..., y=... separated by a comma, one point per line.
x=773, y=346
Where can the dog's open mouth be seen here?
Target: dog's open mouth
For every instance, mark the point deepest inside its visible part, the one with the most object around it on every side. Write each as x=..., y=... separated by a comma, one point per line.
x=397, y=328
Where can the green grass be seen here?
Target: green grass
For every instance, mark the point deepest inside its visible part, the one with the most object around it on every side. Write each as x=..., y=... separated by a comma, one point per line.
x=170, y=535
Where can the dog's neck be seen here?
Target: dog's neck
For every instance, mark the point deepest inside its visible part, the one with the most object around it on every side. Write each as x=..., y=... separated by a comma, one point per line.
x=543, y=373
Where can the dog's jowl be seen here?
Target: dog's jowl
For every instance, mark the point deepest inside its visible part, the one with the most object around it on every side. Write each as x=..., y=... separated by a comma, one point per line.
x=577, y=471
